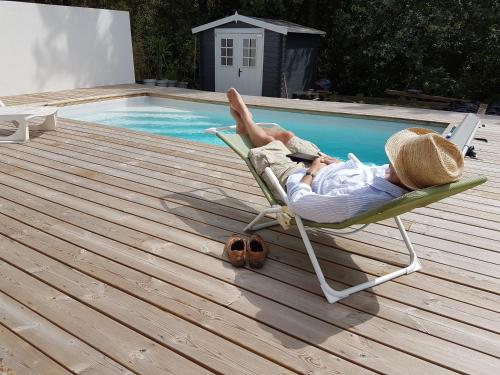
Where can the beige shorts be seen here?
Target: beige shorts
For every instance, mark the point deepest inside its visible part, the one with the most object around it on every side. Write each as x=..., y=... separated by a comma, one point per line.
x=273, y=155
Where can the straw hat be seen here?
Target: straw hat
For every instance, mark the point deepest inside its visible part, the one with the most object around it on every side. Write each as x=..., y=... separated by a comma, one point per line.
x=422, y=158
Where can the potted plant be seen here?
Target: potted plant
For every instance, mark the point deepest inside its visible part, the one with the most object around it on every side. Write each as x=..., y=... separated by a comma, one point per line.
x=142, y=60
x=161, y=82
x=161, y=48
x=172, y=73
x=149, y=81
x=185, y=63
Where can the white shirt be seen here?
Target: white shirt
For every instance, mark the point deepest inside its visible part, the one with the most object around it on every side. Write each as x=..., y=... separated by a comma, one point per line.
x=340, y=191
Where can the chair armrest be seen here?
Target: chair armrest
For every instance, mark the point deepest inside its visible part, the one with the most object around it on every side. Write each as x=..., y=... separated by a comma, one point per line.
x=463, y=134
x=274, y=180
x=216, y=130
x=43, y=111
x=353, y=157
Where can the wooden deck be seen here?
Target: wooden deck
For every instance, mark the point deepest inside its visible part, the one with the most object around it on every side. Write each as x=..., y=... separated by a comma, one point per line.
x=111, y=247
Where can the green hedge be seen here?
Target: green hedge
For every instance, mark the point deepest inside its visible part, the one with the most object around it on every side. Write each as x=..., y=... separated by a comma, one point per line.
x=449, y=48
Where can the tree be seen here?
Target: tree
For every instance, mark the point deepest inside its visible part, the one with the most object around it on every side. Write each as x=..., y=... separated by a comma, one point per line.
x=444, y=47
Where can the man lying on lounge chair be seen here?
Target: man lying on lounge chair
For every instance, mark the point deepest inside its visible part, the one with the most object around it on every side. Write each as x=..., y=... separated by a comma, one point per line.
x=331, y=191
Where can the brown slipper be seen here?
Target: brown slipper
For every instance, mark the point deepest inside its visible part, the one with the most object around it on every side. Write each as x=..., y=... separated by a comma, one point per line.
x=257, y=251
x=236, y=248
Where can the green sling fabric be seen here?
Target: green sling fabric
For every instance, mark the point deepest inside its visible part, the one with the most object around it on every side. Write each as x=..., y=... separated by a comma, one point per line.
x=241, y=145
x=414, y=199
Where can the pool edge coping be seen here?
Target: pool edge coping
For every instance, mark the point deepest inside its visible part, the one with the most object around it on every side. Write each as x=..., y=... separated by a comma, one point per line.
x=154, y=92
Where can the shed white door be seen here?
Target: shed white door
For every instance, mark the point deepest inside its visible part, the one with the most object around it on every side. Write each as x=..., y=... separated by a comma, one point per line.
x=238, y=60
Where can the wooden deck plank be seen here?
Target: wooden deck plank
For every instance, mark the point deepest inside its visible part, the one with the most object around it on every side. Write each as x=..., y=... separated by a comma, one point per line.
x=493, y=288
x=193, y=153
x=142, y=173
x=198, y=345
x=133, y=149
x=79, y=151
x=402, y=335
x=19, y=357
x=132, y=350
x=465, y=228
x=120, y=139
x=126, y=195
x=371, y=354
x=411, y=317
x=456, y=217
x=178, y=224
x=425, y=230
x=117, y=139
x=175, y=172
x=155, y=205
x=75, y=355
x=74, y=136
x=217, y=319
x=469, y=209
x=66, y=161
x=163, y=162
x=147, y=216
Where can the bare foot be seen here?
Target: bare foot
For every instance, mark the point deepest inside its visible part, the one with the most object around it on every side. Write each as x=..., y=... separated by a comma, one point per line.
x=236, y=102
x=240, y=125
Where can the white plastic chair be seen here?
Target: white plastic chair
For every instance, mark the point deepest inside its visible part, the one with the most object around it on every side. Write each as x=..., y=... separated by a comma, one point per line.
x=20, y=115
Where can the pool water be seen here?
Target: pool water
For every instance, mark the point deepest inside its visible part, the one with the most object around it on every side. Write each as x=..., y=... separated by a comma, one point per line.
x=334, y=135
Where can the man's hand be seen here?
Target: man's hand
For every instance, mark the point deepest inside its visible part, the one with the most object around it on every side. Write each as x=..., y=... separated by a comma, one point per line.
x=329, y=160
x=317, y=164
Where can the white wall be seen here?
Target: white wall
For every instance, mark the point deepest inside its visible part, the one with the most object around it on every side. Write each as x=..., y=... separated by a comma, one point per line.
x=49, y=47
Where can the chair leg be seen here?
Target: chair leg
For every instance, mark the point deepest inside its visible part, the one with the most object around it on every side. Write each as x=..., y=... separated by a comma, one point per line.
x=21, y=135
x=253, y=226
x=333, y=295
x=50, y=123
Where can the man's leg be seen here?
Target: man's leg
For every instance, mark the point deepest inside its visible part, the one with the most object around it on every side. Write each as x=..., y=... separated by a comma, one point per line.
x=245, y=124
x=278, y=134
x=240, y=126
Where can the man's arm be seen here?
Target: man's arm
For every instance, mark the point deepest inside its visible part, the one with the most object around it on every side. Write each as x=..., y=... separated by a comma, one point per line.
x=316, y=165
x=309, y=205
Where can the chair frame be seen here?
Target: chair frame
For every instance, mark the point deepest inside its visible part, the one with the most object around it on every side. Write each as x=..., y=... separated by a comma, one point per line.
x=20, y=116
x=377, y=214
x=331, y=294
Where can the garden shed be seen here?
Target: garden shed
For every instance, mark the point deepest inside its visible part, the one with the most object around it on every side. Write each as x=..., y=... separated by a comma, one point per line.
x=257, y=56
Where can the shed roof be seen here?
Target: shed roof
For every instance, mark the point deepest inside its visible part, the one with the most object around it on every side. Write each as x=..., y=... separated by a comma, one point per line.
x=279, y=26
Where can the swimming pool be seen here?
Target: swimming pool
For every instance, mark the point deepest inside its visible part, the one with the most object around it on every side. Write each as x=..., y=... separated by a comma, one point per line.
x=335, y=135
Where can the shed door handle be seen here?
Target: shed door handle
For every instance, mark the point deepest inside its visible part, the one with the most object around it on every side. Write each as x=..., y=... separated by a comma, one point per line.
x=239, y=72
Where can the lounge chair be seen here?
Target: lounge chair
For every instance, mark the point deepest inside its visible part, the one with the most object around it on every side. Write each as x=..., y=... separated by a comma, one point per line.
x=20, y=115
x=241, y=145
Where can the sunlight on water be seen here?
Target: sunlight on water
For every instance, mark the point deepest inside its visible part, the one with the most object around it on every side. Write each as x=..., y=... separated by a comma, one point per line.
x=335, y=135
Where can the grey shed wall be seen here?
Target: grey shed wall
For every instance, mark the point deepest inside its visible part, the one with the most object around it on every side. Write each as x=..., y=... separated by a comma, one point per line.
x=207, y=60
x=271, y=74
x=300, y=62
x=273, y=52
